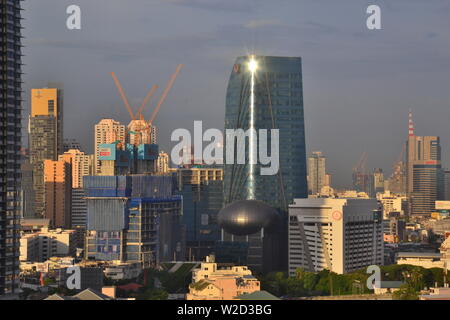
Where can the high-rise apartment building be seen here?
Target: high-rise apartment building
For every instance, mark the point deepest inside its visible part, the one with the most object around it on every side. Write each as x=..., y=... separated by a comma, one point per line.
x=45, y=136
x=82, y=165
x=266, y=93
x=10, y=135
x=58, y=192
x=107, y=131
x=341, y=235
x=424, y=175
x=316, y=172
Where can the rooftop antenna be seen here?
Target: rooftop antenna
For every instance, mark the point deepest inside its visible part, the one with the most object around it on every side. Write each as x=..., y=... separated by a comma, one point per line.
x=410, y=124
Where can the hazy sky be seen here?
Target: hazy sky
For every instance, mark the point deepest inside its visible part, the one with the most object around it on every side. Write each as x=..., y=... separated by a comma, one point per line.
x=358, y=84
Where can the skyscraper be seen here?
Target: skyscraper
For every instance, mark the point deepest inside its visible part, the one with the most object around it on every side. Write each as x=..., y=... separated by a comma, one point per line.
x=11, y=110
x=424, y=175
x=58, y=192
x=266, y=93
x=107, y=131
x=316, y=172
x=45, y=136
x=82, y=165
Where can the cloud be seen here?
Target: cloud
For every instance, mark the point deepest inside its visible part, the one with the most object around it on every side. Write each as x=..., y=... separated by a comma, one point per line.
x=262, y=23
x=217, y=5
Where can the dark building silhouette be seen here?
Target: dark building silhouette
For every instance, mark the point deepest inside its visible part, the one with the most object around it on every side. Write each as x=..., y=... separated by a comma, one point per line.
x=10, y=135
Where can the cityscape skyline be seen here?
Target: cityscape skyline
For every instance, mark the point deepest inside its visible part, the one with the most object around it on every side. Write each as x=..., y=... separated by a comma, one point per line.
x=367, y=67
x=205, y=189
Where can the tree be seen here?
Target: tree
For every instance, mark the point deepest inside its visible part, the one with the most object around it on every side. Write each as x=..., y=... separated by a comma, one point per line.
x=406, y=292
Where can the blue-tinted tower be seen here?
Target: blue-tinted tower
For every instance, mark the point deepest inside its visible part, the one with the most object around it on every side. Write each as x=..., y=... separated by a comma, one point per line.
x=266, y=94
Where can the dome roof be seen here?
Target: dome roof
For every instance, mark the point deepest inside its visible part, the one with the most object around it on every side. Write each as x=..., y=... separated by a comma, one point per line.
x=246, y=217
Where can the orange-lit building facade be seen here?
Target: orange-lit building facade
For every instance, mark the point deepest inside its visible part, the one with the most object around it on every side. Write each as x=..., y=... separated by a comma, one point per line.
x=58, y=192
x=45, y=137
x=82, y=165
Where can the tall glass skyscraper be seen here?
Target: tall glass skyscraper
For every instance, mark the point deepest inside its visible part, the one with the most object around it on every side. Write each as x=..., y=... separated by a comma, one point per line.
x=266, y=93
x=10, y=136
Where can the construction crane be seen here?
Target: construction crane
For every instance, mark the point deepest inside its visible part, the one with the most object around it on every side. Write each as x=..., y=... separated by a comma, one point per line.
x=138, y=127
x=144, y=103
x=361, y=165
x=122, y=95
x=164, y=95
x=359, y=174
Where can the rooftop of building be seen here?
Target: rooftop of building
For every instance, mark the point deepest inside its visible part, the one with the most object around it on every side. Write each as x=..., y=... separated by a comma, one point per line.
x=88, y=294
x=45, y=231
x=325, y=201
x=258, y=295
x=418, y=255
x=34, y=222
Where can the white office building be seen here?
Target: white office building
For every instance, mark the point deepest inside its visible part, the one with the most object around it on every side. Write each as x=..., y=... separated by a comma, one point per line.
x=341, y=235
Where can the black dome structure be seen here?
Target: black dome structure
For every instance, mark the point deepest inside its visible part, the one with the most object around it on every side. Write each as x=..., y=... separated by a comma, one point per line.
x=245, y=217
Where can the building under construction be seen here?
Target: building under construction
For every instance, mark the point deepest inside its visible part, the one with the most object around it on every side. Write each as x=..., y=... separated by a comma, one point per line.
x=133, y=219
